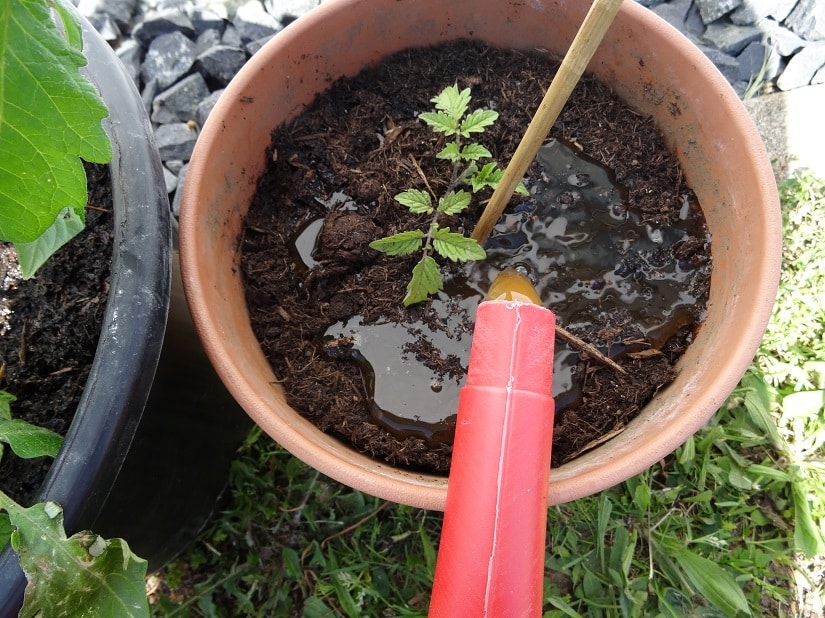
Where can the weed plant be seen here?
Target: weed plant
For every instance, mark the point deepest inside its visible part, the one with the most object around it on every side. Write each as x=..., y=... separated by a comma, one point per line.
x=731, y=524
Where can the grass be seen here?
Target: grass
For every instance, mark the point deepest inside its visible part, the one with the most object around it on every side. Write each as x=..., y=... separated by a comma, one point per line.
x=731, y=524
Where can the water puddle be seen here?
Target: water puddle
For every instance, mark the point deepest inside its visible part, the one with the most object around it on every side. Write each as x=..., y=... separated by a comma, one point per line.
x=587, y=256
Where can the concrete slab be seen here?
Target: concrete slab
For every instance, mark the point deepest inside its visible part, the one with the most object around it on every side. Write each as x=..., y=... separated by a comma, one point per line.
x=792, y=127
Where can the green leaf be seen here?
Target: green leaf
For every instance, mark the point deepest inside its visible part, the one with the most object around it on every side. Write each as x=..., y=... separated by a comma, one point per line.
x=5, y=529
x=457, y=247
x=82, y=571
x=449, y=152
x=417, y=201
x=477, y=121
x=29, y=441
x=474, y=152
x=453, y=102
x=714, y=583
x=402, y=243
x=32, y=255
x=454, y=202
x=50, y=118
x=6, y=399
x=487, y=176
x=808, y=537
x=442, y=123
x=426, y=280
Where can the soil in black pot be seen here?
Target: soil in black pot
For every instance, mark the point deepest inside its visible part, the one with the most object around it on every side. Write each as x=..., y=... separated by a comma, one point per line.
x=611, y=234
x=49, y=329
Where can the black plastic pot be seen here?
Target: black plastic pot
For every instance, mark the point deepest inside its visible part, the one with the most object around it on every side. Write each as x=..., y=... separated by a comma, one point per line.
x=148, y=452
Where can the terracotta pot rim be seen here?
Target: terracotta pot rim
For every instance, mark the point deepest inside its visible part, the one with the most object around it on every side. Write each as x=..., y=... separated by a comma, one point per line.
x=429, y=491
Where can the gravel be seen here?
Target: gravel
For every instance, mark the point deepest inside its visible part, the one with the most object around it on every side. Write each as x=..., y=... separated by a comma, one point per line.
x=182, y=53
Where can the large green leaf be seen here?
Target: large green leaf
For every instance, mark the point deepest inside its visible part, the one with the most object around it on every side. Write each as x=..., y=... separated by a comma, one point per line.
x=50, y=118
x=83, y=575
x=714, y=583
x=29, y=441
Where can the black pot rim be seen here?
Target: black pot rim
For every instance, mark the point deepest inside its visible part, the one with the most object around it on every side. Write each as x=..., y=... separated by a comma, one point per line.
x=134, y=323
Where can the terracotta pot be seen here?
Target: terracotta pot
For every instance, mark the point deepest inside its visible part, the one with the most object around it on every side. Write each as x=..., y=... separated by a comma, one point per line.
x=647, y=62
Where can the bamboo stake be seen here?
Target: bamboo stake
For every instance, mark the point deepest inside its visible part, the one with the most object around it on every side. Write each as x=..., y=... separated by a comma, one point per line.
x=584, y=45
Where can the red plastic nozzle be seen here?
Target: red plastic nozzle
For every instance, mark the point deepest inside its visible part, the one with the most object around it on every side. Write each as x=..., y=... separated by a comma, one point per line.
x=491, y=554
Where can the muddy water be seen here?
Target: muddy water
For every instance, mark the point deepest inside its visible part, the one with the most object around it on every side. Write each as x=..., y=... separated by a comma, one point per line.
x=587, y=255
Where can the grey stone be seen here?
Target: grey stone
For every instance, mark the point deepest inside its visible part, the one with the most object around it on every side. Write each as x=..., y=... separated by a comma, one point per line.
x=170, y=180
x=220, y=64
x=711, y=10
x=165, y=22
x=802, y=67
x=170, y=56
x=253, y=22
x=105, y=26
x=808, y=20
x=205, y=107
x=672, y=13
x=131, y=54
x=286, y=11
x=179, y=102
x=785, y=42
x=175, y=141
x=752, y=11
x=255, y=46
x=206, y=40
x=731, y=39
x=204, y=19
x=173, y=165
x=176, y=201
x=693, y=22
x=119, y=10
x=751, y=61
x=728, y=65
x=231, y=37
x=781, y=9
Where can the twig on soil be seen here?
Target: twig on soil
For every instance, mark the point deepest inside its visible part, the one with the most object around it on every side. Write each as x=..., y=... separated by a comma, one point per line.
x=583, y=346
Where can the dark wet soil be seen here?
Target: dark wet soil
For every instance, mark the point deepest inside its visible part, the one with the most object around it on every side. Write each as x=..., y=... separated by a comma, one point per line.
x=362, y=139
x=49, y=341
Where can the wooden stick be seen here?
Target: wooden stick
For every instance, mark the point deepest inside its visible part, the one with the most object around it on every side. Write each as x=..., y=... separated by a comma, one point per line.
x=584, y=45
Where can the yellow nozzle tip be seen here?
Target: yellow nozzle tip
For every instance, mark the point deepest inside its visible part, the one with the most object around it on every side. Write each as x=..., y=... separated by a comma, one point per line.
x=512, y=285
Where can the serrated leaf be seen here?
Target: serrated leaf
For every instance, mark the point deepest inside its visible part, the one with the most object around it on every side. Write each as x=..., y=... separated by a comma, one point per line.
x=488, y=176
x=402, y=243
x=32, y=255
x=477, y=121
x=426, y=280
x=29, y=441
x=50, y=118
x=416, y=200
x=456, y=247
x=521, y=189
x=452, y=101
x=454, y=202
x=64, y=575
x=714, y=583
x=474, y=152
x=440, y=122
x=450, y=152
